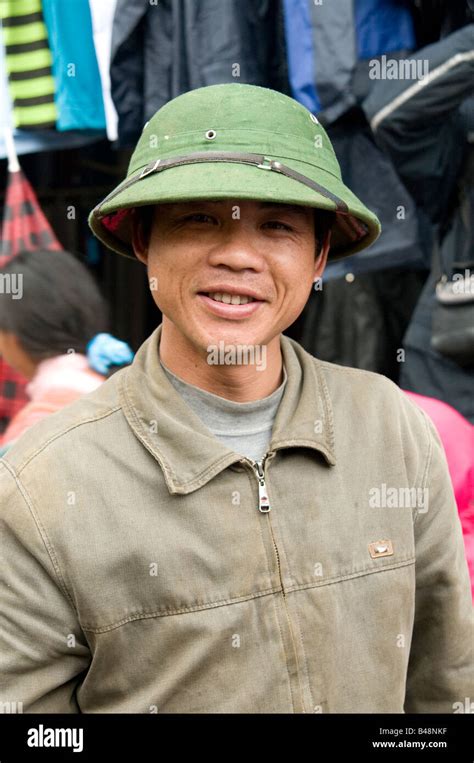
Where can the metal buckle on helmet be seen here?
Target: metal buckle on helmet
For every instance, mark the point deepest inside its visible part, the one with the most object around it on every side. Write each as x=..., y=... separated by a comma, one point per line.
x=149, y=169
x=266, y=164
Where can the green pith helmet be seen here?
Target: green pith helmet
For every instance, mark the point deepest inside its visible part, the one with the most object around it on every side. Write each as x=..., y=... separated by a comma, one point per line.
x=235, y=141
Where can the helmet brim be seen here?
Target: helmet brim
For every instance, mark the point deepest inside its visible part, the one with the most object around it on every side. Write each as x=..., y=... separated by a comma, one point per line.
x=354, y=230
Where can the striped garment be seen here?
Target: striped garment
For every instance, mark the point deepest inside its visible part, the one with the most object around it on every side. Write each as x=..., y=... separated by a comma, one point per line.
x=28, y=63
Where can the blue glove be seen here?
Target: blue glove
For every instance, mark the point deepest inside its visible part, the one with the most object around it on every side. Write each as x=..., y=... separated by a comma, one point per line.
x=104, y=350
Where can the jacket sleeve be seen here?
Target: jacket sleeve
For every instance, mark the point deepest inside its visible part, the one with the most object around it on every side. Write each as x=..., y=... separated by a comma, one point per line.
x=441, y=666
x=43, y=650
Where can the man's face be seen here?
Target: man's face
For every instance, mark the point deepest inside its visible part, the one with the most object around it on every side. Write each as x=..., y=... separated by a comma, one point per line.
x=202, y=255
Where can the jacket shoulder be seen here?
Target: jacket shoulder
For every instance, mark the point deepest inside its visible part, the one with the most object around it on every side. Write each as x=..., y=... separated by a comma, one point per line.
x=65, y=423
x=385, y=408
x=355, y=381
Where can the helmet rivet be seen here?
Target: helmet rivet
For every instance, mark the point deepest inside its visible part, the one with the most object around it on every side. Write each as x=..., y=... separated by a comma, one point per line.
x=314, y=119
x=211, y=134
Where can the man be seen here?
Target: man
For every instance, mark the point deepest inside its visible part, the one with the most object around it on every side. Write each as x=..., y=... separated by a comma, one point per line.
x=229, y=524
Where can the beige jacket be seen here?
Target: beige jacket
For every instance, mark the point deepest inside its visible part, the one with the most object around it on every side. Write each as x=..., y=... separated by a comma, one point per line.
x=147, y=568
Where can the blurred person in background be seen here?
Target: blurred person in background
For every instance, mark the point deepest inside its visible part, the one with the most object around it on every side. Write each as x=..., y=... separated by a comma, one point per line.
x=13, y=396
x=457, y=435
x=55, y=335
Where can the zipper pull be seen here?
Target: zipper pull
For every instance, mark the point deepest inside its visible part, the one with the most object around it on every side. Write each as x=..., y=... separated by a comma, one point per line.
x=263, y=502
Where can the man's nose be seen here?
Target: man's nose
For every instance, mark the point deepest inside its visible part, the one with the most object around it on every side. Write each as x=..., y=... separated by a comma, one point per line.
x=239, y=250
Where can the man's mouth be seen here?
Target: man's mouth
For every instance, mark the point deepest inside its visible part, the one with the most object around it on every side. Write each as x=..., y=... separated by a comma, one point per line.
x=229, y=306
x=229, y=299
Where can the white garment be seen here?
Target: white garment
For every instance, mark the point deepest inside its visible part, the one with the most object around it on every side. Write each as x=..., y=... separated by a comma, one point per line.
x=102, y=12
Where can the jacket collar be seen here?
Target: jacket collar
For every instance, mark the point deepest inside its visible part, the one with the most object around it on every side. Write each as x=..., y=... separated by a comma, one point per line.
x=186, y=450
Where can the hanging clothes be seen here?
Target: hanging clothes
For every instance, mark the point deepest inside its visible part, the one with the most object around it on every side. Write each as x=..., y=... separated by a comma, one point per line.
x=76, y=73
x=28, y=64
x=328, y=45
x=436, y=164
x=361, y=315
x=162, y=49
x=325, y=41
x=360, y=322
x=371, y=174
x=102, y=12
x=35, y=140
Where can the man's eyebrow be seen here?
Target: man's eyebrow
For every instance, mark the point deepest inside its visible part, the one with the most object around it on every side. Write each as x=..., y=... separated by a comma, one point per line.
x=298, y=208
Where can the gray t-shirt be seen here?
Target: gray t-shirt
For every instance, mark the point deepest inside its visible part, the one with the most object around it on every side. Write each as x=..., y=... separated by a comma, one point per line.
x=245, y=428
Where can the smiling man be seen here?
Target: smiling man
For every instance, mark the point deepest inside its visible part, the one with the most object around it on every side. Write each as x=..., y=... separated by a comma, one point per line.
x=200, y=535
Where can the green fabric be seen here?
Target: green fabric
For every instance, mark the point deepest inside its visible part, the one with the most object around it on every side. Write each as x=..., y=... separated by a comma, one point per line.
x=246, y=119
x=23, y=88
x=28, y=63
x=19, y=35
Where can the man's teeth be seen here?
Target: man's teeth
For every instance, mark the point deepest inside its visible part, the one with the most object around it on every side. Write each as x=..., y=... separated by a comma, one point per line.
x=231, y=299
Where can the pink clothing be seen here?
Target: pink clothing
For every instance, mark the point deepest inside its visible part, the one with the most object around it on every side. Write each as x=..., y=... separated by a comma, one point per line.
x=457, y=436
x=57, y=382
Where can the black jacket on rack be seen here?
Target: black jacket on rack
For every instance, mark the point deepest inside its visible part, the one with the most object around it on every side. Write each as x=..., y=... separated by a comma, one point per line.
x=162, y=50
x=428, y=130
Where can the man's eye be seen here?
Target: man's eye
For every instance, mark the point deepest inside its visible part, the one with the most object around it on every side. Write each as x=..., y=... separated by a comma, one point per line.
x=198, y=217
x=277, y=225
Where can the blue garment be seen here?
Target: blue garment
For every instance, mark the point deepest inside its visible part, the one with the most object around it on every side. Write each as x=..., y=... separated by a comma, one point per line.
x=383, y=27
x=78, y=96
x=104, y=351
x=300, y=54
x=325, y=41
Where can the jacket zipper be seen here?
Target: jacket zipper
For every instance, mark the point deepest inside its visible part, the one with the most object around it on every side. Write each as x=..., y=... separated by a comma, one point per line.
x=264, y=505
x=263, y=502
x=258, y=467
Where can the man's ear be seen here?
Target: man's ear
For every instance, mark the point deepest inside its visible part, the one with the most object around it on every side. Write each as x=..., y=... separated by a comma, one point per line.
x=322, y=257
x=139, y=242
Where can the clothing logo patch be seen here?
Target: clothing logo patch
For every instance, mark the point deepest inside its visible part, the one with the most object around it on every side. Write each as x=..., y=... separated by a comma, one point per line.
x=380, y=548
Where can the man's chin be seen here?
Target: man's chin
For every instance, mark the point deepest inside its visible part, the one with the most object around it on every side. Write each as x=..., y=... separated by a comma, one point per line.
x=229, y=337
x=206, y=338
